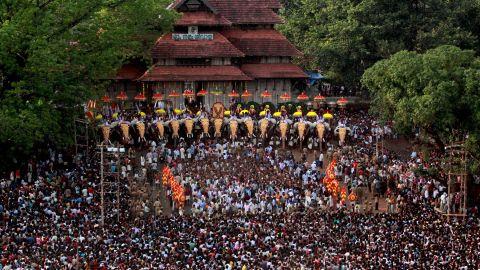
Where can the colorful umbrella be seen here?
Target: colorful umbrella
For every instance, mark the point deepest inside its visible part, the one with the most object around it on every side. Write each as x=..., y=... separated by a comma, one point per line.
x=266, y=94
x=106, y=99
x=302, y=96
x=246, y=93
x=319, y=98
x=285, y=96
x=173, y=94
x=140, y=97
x=342, y=102
x=311, y=114
x=202, y=93
x=233, y=94
x=122, y=96
x=327, y=116
x=157, y=97
x=188, y=93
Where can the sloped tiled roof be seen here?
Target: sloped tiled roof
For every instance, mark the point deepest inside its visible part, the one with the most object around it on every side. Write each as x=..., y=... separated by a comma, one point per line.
x=261, y=42
x=202, y=18
x=264, y=71
x=247, y=12
x=129, y=72
x=194, y=73
x=178, y=3
x=166, y=47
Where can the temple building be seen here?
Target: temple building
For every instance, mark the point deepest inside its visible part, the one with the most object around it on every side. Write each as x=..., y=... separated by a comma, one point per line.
x=220, y=46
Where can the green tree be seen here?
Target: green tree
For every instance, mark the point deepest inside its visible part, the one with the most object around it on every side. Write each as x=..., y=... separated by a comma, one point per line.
x=344, y=38
x=55, y=55
x=437, y=92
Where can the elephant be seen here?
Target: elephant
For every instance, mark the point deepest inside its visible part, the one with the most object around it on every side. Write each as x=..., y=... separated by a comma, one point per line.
x=283, y=126
x=301, y=128
x=189, y=126
x=250, y=126
x=233, y=125
x=161, y=129
x=106, y=133
x=125, y=128
x=205, y=123
x=218, y=123
x=175, y=124
x=263, y=125
x=342, y=131
x=141, y=130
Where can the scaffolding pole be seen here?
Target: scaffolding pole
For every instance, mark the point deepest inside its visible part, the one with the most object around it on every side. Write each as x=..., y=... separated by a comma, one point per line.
x=110, y=179
x=457, y=175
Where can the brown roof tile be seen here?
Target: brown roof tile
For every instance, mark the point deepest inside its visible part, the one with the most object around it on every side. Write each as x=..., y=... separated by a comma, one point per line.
x=194, y=73
x=247, y=11
x=202, y=18
x=263, y=71
x=129, y=72
x=166, y=47
x=261, y=42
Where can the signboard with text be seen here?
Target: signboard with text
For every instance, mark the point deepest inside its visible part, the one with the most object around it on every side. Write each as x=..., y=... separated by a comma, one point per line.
x=192, y=36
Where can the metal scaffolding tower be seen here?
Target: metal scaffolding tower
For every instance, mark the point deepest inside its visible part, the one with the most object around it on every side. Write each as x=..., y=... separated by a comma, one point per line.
x=83, y=134
x=110, y=165
x=457, y=180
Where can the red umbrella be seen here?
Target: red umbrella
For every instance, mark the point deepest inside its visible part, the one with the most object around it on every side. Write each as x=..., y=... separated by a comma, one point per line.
x=106, y=99
x=285, y=96
x=302, y=96
x=266, y=94
x=246, y=93
x=342, y=102
x=173, y=94
x=122, y=96
x=140, y=97
x=319, y=98
x=188, y=93
x=202, y=93
x=233, y=94
x=157, y=97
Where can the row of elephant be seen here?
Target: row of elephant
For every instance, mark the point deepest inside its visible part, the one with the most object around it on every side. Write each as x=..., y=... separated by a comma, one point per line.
x=219, y=127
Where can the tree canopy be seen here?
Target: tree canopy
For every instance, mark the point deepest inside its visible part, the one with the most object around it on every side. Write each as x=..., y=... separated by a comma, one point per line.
x=54, y=55
x=344, y=38
x=437, y=91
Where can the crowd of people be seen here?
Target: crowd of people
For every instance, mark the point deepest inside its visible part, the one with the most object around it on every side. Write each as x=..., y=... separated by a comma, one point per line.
x=249, y=206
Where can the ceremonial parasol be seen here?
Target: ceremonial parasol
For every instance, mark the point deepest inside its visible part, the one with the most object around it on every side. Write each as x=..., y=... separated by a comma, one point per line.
x=302, y=96
x=122, y=96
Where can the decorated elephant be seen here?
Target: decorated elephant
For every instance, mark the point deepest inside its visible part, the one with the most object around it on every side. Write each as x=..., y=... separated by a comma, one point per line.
x=160, y=127
x=125, y=128
x=232, y=123
x=248, y=121
x=175, y=125
x=283, y=126
x=263, y=126
x=105, y=128
x=342, y=132
x=218, y=124
x=141, y=130
x=205, y=124
x=301, y=127
x=189, y=122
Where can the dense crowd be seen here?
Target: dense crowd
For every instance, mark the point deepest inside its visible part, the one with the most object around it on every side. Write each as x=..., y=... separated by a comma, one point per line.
x=249, y=206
